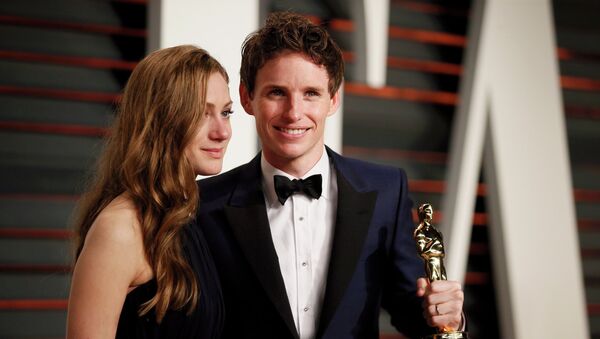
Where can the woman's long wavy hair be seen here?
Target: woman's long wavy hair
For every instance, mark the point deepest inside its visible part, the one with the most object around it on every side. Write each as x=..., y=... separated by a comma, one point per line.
x=159, y=113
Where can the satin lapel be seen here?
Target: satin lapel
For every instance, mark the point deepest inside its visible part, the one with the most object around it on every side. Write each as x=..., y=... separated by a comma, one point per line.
x=247, y=216
x=354, y=213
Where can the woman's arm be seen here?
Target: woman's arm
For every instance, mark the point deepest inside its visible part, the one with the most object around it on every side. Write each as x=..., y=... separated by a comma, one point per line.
x=111, y=263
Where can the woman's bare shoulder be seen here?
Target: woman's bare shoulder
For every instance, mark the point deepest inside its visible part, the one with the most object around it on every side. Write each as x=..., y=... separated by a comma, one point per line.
x=116, y=236
x=118, y=223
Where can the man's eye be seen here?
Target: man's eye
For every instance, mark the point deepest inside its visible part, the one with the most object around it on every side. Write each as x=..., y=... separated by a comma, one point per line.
x=276, y=92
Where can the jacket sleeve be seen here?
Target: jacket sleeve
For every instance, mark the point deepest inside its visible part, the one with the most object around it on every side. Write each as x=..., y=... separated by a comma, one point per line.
x=404, y=268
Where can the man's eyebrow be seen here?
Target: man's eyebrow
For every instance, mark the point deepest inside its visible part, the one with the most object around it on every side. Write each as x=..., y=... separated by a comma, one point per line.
x=316, y=88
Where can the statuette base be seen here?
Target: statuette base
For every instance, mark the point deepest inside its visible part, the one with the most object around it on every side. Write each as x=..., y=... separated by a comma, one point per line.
x=451, y=335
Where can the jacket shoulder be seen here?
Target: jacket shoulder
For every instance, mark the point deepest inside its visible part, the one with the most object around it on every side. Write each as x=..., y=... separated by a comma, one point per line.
x=366, y=174
x=218, y=188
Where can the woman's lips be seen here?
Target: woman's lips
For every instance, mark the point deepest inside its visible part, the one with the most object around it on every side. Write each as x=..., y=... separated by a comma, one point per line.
x=216, y=153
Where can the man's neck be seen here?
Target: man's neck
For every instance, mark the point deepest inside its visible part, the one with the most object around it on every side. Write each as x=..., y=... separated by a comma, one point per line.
x=295, y=167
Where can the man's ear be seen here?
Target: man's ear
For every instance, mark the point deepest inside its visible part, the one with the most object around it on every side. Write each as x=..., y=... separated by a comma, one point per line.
x=245, y=99
x=334, y=102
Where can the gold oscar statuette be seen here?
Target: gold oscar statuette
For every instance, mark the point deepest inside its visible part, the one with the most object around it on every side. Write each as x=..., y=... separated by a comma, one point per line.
x=430, y=247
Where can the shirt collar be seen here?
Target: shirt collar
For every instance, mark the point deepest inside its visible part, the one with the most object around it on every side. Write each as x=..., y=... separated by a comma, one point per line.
x=322, y=167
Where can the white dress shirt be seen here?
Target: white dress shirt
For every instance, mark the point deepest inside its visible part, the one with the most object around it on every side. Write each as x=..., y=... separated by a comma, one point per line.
x=302, y=231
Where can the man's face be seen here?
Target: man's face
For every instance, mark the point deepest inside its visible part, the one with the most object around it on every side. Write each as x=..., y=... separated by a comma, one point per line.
x=290, y=104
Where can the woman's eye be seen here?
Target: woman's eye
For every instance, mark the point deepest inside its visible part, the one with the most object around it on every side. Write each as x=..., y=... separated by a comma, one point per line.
x=227, y=113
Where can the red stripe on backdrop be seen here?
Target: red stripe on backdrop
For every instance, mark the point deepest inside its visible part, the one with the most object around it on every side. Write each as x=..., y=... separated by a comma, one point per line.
x=34, y=268
x=135, y=2
x=584, y=195
x=34, y=233
x=590, y=253
x=348, y=56
x=425, y=66
x=427, y=186
x=34, y=304
x=479, y=219
x=578, y=83
x=441, y=38
x=436, y=186
x=313, y=18
x=582, y=112
x=439, y=186
x=396, y=93
x=390, y=153
x=477, y=278
x=429, y=8
x=479, y=249
x=564, y=54
x=437, y=38
x=567, y=82
x=483, y=249
x=90, y=28
x=73, y=130
x=342, y=25
x=38, y=197
x=391, y=336
x=567, y=55
x=69, y=60
x=424, y=36
x=588, y=225
x=593, y=309
x=430, y=37
x=99, y=97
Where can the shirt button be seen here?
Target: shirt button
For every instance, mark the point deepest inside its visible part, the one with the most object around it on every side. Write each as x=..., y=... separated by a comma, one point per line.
x=301, y=218
x=304, y=264
x=306, y=308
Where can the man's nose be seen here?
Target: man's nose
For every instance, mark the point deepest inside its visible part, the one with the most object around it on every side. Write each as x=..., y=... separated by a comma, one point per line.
x=294, y=108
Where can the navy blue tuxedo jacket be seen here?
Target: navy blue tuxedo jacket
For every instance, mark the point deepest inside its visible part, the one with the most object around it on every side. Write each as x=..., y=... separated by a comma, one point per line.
x=373, y=259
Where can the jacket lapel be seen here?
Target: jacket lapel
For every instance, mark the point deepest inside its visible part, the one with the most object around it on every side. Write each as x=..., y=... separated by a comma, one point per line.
x=353, y=218
x=247, y=216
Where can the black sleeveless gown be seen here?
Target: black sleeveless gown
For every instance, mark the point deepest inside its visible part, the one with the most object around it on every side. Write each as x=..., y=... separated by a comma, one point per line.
x=205, y=322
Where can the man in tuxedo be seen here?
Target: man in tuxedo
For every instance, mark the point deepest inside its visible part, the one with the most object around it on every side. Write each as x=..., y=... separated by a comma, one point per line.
x=308, y=243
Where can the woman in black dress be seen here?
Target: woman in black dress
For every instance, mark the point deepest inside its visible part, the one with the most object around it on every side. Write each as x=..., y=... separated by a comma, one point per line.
x=139, y=272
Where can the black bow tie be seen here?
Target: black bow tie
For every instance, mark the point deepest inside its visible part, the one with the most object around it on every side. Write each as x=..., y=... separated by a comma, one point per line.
x=285, y=187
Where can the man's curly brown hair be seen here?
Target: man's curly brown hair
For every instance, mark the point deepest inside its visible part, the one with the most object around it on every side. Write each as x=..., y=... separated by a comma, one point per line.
x=286, y=31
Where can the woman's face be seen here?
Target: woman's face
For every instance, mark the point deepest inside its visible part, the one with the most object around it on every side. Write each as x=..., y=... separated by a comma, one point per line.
x=206, y=150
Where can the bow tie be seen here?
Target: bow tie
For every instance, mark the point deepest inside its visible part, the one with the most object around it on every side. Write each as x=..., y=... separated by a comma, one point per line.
x=285, y=187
